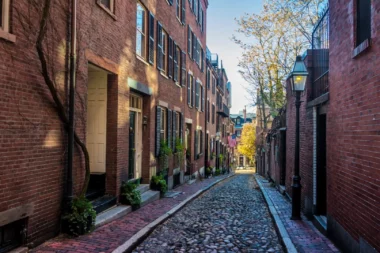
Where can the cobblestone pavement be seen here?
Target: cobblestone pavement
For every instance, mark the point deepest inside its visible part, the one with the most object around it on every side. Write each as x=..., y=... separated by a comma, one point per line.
x=110, y=236
x=231, y=217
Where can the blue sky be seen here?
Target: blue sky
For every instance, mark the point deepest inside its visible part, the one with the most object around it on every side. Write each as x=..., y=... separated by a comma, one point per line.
x=221, y=26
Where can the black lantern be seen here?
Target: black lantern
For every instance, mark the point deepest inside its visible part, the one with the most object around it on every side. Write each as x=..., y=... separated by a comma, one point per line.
x=298, y=75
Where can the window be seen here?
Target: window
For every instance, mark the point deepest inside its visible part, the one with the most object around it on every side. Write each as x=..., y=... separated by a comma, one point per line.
x=198, y=143
x=189, y=41
x=141, y=27
x=202, y=98
x=208, y=77
x=198, y=95
x=238, y=132
x=178, y=9
x=202, y=18
x=213, y=84
x=363, y=21
x=238, y=121
x=196, y=9
x=164, y=124
x=190, y=101
x=164, y=39
x=109, y=4
x=181, y=11
x=177, y=125
x=4, y=15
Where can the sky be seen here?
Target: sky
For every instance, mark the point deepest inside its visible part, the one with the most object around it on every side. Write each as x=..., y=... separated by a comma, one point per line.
x=221, y=25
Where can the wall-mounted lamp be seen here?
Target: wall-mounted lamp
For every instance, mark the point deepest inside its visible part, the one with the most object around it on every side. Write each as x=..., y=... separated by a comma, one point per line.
x=145, y=122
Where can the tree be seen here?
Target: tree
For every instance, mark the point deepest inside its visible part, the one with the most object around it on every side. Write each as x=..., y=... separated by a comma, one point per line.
x=247, y=146
x=276, y=36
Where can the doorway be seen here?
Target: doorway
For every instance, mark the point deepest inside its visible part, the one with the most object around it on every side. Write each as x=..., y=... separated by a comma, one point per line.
x=188, y=142
x=241, y=161
x=96, y=130
x=321, y=207
x=135, y=137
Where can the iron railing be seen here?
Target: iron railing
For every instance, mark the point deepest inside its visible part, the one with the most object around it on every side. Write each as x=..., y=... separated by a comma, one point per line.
x=320, y=54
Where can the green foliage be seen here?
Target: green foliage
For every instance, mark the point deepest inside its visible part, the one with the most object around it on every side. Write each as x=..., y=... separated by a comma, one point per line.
x=158, y=183
x=221, y=158
x=165, y=152
x=180, y=151
x=217, y=172
x=208, y=171
x=130, y=195
x=81, y=218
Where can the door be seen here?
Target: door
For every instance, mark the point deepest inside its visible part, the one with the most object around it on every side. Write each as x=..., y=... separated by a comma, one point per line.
x=135, y=137
x=241, y=161
x=97, y=121
x=132, y=145
x=321, y=166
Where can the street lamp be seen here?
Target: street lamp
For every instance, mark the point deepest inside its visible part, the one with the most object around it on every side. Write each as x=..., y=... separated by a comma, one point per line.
x=297, y=80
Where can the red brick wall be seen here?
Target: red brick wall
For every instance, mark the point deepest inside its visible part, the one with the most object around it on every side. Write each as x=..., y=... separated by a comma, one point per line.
x=32, y=138
x=353, y=126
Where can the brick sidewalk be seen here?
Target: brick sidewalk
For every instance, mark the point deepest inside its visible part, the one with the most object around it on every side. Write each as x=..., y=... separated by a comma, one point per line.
x=110, y=236
x=304, y=235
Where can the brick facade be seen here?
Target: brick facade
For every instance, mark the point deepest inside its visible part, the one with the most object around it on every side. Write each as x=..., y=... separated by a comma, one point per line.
x=33, y=139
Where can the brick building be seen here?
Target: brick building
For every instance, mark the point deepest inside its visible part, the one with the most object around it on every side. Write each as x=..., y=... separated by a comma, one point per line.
x=338, y=128
x=140, y=81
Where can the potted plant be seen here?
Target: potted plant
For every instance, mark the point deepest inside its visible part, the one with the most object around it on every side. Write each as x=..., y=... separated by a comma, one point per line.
x=217, y=172
x=208, y=171
x=130, y=195
x=158, y=183
x=81, y=218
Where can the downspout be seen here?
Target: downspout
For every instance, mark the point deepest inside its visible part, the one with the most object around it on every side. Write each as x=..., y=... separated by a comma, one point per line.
x=73, y=46
x=207, y=112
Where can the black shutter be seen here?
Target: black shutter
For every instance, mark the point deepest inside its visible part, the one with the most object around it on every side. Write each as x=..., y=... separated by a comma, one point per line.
x=208, y=78
x=202, y=60
x=189, y=39
x=151, y=39
x=175, y=64
x=193, y=97
x=203, y=99
x=159, y=46
x=174, y=128
x=189, y=89
x=158, y=130
x=201, y=141
x=195, y=144
x=170, y=57
x=194, y=44
x=181, y=127
x=169, y=128
x=170, y=2
x=183, y=66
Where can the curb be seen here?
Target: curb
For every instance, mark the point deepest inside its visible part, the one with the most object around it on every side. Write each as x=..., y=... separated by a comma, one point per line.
x=289, y=246
x=136, y=239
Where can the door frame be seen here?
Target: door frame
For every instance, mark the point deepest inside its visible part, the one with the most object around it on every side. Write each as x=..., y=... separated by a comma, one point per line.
x=138, y=135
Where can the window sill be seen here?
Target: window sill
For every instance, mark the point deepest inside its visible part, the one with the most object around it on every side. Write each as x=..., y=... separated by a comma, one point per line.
x=142, y=60
x=177, y=83
x=108, y=11
x=163, y=74
x=7, y=36
x=361, y=48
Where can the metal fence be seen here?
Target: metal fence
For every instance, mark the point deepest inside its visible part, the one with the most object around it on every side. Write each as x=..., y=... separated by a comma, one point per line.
x=320, y=52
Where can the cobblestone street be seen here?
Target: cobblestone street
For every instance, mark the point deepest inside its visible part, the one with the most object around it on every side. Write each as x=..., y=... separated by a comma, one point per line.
x=230, y=217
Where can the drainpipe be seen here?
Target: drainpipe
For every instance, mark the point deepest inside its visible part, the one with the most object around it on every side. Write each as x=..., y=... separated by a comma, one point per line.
x=206, y=110
x=69, y=190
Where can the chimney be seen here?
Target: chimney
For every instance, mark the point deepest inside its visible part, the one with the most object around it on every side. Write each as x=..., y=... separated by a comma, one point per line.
x=245, y=113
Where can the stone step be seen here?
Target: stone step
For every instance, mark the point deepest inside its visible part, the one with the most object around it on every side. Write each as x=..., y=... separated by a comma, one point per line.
x=149, y=196
x=142, y=188
x=103, y=203
x=112, y=214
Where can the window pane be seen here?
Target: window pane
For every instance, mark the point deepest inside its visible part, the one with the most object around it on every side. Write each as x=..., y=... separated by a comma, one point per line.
x=139, y=43
x=106, y=3
x=140, y=21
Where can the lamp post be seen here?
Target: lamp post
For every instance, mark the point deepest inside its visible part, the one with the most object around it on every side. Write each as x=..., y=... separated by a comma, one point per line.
x=297, y=79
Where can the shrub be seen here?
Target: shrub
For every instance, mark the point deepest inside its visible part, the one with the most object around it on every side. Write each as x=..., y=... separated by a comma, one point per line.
x=130, y=195
x=158, y=183
x=81, y=218
x=217, y=172
x=208, y=171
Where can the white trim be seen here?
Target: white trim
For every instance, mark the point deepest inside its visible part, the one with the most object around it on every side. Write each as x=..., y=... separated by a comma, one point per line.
x=163, y=104
x=5, y=15
x=189, y=121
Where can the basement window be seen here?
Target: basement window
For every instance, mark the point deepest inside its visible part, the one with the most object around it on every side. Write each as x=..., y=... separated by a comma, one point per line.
x=363, y=26
x=109, y=4
x=12, y=235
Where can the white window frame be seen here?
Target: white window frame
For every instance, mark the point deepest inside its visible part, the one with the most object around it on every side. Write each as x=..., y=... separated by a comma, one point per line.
x=142, y=33
x=164, y=124
x=5, y=15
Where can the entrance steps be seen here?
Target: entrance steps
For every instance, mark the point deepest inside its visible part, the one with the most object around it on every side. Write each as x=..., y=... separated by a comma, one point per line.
x=147, y=196
x=114, y=212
